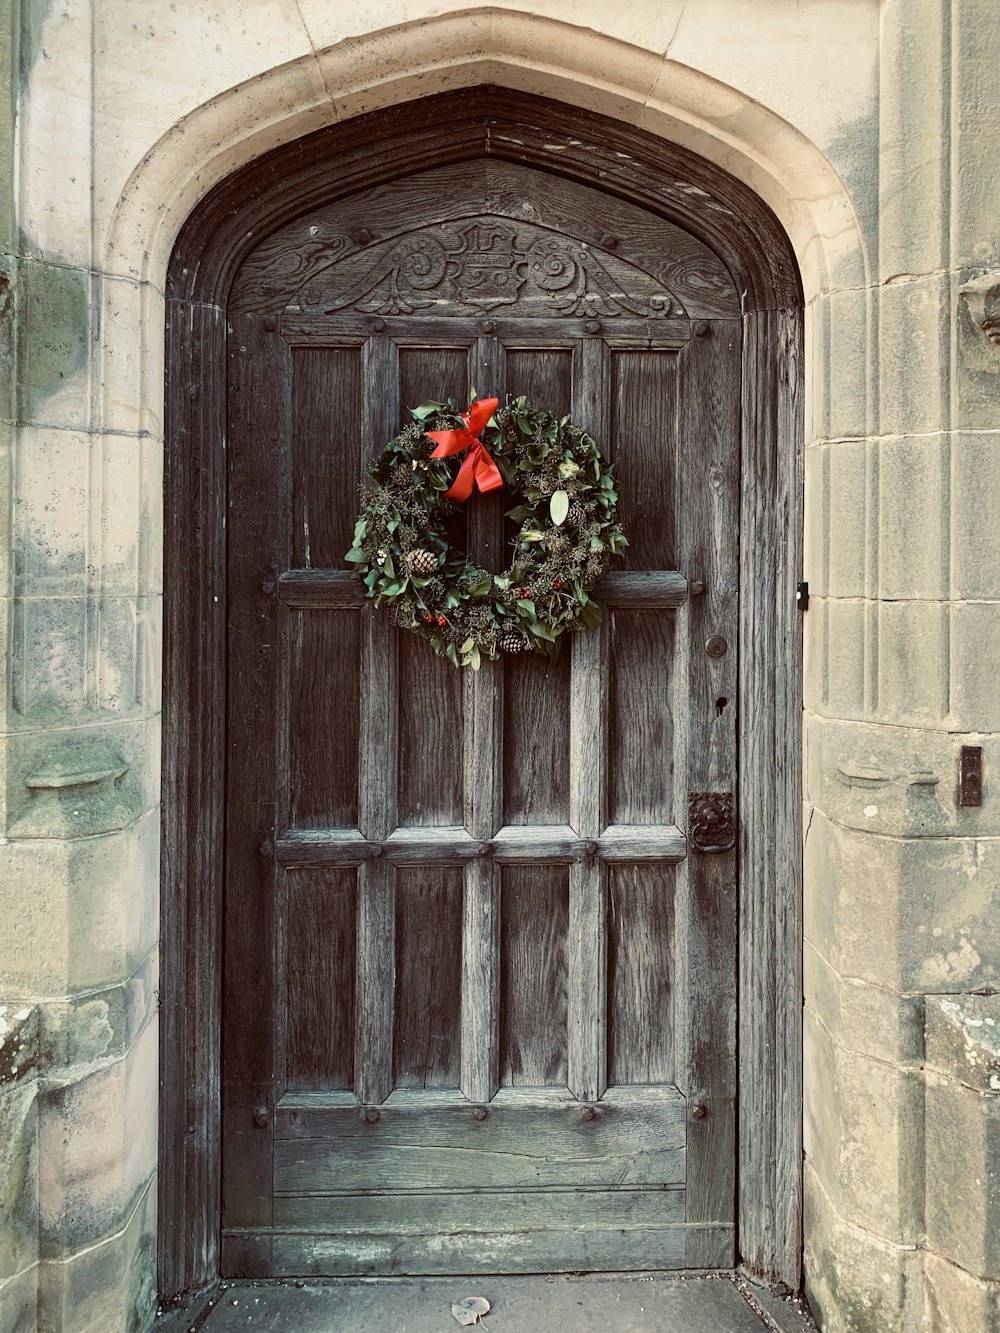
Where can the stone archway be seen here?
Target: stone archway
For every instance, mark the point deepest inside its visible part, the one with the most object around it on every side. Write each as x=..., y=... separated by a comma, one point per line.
x=679, y=186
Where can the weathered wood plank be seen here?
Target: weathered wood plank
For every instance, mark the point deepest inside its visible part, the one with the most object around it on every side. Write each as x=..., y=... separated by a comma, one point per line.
x=616, y=1249
x=642, y=842
x=428, y=980
x=413, y=1213
x=530, y=1143
x=709, y=506
x=321, y=934
x=323, y=716
x=770, y=1182
x=437, y=333
x=641, y=717
x=644, y=436
x=628, y=589
x=377, y=778
x=256, y=767
x=640, y=974
x=533, y=916
x=326, y=406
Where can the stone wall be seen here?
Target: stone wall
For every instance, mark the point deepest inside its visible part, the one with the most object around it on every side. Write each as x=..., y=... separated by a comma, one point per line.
x=872, y=130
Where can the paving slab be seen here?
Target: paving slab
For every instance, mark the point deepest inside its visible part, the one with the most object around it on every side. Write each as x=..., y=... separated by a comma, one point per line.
x=557, y=1304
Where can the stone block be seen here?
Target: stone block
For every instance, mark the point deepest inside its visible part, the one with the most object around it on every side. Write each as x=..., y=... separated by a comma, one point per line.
x=898, y=780
x=963, y=1187
x=975, y=652
x=911, y=915
x=913, y=130
x=19, y=1302
x=957, y=1302
x=96, y=1026
x=963, y=1040
x=51, y=513
x=856, y=1281
x=869, y=1020
x=837, y=644
x=976, y=41
x=79, y=914
x=914, y=353
x=975, y=572
x=54, y=327
x=96, y=1149
x=110, y=1286
x=18, y=1177
x=913, y=662
x=913, y=517
x=49, y=658
x=864, y=1135
x=851, y=489
x=849, y=374
x=54, y=131
x=150, y=554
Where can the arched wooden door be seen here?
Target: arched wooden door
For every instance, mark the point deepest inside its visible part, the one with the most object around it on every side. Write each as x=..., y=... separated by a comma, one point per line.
x=479, y=1007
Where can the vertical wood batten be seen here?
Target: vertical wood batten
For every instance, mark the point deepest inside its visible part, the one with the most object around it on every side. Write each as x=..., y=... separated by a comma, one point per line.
x=193, y=807
x=588, y=745
x=771, y=815
x=483, y=797
x=710, y=421
x=377, y=776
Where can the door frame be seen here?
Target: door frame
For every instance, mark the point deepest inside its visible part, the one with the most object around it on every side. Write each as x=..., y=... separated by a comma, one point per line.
x=232, y=219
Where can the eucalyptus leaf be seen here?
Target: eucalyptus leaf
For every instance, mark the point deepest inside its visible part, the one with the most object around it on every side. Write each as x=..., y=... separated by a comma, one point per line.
x=559, y=507
x=426, y=410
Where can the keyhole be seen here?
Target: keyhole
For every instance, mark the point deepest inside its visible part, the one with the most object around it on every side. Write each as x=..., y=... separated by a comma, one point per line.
x=720, y=706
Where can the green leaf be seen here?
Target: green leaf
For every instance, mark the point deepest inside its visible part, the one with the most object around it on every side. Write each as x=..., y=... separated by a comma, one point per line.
x=467, y=646
x=426, y=410
x=389, y=568
x=393, y=589
x=356, y=554
x=559, y=507
x=569, y=469
x=532, y=535
x=590, y=616
x=481, y=586
x=618, y=541
x=451, y=654
x=450, y=601
x=360, y=531
x=527, y=607
x=474, y=658
x=393, y=524
x=521, y=513
x=541, y=631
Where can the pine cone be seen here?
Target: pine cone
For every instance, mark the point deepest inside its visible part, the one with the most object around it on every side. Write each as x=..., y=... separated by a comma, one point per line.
x=511, y=642
x=577, y=515
x=422, y=563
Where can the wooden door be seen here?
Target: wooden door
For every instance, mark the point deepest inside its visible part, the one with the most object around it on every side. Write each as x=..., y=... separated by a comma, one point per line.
x=479, y=1004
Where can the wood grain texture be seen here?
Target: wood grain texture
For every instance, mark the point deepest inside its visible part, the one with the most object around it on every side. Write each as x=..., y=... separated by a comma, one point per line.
x=431, y=700
x=640, y=722
x=770, y=823
x=530, y=1143
x=285, y=185
x=325, y=709
x=710, y=376
x=320, y=972
x=640, y=975
x=326, y=404
x=644, y=415
x=256, y=780
x=533, y=939
x=428, y=978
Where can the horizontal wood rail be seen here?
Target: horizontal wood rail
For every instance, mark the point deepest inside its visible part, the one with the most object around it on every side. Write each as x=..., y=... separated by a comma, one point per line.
x=535, y=844
x=339, y=590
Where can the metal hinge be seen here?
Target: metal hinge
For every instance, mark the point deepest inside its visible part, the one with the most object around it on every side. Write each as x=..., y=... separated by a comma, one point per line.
x=802, y=597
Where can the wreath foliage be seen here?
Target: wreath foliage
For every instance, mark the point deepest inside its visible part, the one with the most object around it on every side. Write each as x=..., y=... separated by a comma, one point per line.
x=567, y=531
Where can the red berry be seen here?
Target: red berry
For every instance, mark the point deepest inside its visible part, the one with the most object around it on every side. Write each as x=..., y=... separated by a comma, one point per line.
x=557, y=584
x=441, y=620
x=428, y=617
x=524, y=592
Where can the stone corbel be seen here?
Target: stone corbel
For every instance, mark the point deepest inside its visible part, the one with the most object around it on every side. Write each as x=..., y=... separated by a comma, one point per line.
x=982, y=299
x=77, y=791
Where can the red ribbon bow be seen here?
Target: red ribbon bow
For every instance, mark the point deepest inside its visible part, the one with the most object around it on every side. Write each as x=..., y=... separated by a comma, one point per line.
x=478, y=469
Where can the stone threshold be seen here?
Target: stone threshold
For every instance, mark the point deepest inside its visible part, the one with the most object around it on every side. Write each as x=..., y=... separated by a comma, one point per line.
x=594, y=1303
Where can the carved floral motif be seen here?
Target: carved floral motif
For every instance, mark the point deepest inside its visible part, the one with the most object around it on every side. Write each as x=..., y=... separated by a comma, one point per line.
x=484, y=266
x=982, y=297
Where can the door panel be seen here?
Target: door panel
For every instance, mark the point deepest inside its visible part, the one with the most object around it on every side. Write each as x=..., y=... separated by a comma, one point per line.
x=478, y=993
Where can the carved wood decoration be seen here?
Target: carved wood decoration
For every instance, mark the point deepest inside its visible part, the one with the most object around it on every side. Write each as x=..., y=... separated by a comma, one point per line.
x=660, y=242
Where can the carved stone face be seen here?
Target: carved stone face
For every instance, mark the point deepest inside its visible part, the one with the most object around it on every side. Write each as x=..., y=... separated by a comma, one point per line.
x=982, y=296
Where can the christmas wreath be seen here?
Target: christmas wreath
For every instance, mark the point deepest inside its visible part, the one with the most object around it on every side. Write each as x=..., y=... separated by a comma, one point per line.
x=566, y=517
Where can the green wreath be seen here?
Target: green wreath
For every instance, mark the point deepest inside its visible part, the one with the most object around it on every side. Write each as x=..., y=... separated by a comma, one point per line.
x=566, y=513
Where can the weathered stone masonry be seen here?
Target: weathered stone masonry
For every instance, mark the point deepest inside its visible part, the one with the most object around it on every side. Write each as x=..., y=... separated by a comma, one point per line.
x=872, y=131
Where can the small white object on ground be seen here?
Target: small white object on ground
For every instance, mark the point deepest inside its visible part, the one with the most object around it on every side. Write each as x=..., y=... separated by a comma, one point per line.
x=470, y=1310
